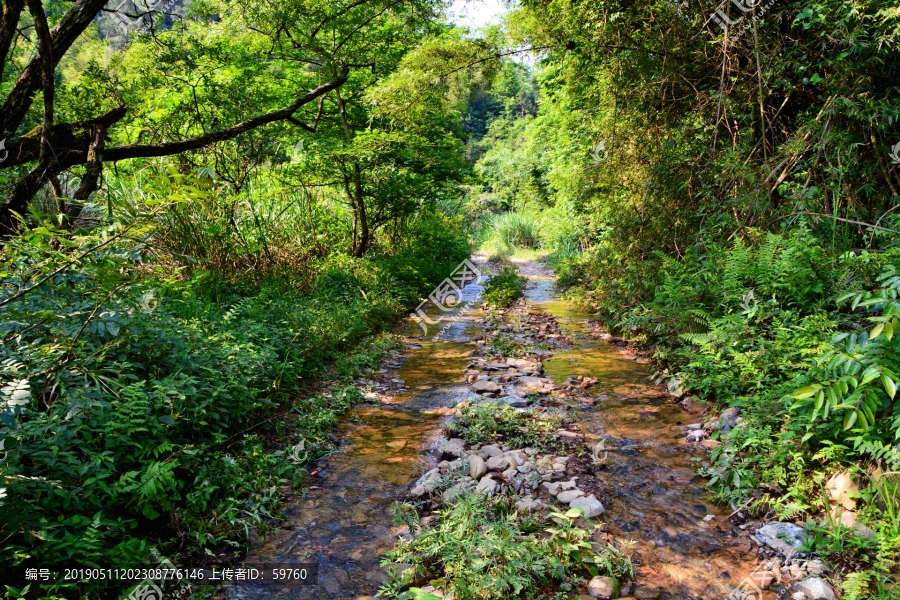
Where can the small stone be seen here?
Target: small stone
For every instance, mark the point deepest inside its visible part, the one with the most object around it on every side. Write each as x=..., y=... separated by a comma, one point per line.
x=486, y=486
x=456, y=491
x=569, y=495
x=645, y=593
x=814, y=588
x=590, y=505
x=602, y=587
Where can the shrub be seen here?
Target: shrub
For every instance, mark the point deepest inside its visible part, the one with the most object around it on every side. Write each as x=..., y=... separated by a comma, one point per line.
x=504, y=288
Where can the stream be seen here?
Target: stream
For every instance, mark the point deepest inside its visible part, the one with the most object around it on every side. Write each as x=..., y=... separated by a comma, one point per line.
x=685, y=546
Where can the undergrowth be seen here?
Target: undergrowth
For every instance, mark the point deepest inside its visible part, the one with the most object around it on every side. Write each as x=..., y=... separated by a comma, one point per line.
x=496, y=422
x=483, y=548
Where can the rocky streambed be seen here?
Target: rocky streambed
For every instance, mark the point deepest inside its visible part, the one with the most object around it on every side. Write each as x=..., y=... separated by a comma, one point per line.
x=612, y=443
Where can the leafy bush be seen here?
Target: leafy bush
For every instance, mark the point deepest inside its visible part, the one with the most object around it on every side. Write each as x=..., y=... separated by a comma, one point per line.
x=504, y=288
x=493, y=422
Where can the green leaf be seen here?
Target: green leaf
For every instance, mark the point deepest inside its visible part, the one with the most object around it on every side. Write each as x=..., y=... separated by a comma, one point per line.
x=889, y=386
x=849, y=420
x=805, y=392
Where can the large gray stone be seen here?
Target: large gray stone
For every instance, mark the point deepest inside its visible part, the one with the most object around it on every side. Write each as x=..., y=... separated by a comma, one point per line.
x=814, y=588
x=783, y=537
x=477, y=468
x=569, y=495
x=486, y=486
x=452, y=448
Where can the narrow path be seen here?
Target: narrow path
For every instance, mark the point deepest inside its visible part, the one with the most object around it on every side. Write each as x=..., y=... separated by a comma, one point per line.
x=686, y=547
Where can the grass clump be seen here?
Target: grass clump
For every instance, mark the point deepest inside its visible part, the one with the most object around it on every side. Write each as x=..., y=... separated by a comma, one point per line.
x=495, y=422
x=504, y=288
x=483, y=548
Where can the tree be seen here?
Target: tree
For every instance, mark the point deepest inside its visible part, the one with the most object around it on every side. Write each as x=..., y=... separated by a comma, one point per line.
x=307, y=48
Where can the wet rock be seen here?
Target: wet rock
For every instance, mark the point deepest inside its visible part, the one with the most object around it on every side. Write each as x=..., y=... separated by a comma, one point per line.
x=477, y=468
x=569, y=495
x=533, y=385
x=645, y=593
x=697, y=435
x=814, y=588
x=840, y=489
x=486, y=486
x=485, y=386
x=590, y=505
x=783, y=537
x=495, y=366
x=569, y=436
x=452, y=448
x=515, y=401
x=386, y=572
x=602, y=587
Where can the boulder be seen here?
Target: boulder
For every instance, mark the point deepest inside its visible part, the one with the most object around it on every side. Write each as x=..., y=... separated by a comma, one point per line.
x=485, y=386
x=783, y=537
x=477, y=468
x=589, y=504
x=814, y=588
x=602, y=587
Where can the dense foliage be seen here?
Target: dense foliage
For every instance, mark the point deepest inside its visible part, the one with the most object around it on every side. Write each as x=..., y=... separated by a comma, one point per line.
x=728, y=200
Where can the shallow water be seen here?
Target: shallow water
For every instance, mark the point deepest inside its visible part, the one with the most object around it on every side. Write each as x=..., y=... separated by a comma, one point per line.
x=653, y=494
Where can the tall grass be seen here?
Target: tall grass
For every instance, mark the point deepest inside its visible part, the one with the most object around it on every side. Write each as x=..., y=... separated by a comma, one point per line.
x=519, y=232
x=505, y=232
